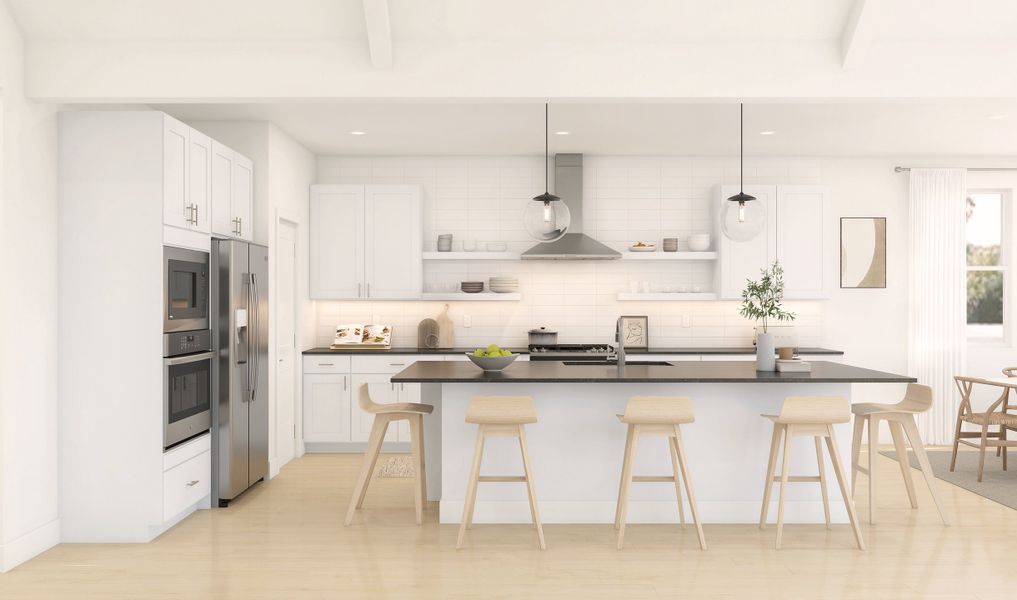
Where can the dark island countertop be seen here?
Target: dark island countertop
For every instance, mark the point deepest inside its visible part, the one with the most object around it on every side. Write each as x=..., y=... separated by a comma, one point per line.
x=678, y=372
x=651, y=350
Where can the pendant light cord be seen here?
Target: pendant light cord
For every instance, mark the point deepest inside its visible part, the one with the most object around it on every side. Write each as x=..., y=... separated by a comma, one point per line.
x=741, y=147
x=547, y=135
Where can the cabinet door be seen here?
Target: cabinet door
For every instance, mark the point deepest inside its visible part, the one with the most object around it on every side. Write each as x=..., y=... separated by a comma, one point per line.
x=242, y=206
x=326, y=408
x=743, y=260
x=382, y=391
x=176, y=210
x=801, y=240
x=337, y=242
x=199, y=179
x=222, y=189
x=392, y=235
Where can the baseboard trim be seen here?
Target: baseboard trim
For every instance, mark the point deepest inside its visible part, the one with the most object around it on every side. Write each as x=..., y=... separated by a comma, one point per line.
x=646, y=511
x=30, y=545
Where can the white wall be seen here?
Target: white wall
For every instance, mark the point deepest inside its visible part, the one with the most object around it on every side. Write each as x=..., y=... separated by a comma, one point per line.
x=29, y=521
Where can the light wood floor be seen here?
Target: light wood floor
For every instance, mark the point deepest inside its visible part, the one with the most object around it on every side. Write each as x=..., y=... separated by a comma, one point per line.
x=285, y=540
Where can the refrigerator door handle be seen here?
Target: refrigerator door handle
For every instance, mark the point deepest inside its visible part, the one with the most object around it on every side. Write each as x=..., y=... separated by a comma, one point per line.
x=257, y=336
x=252, y=329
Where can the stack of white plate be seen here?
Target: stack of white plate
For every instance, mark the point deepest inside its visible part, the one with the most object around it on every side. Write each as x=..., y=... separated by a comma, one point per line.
x=503, y=285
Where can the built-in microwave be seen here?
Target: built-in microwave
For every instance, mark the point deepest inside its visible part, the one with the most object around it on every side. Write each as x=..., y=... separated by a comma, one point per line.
x=185, y=284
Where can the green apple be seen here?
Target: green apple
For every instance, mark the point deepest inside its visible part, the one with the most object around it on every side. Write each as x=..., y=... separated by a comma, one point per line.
x=479, y=353
x=493, y=349
x=506, y=353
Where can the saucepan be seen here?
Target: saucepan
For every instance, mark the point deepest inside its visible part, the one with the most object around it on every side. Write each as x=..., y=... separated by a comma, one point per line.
x=542, y=336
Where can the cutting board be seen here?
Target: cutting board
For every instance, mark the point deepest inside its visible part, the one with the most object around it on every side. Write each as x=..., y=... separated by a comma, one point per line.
x=446, y=338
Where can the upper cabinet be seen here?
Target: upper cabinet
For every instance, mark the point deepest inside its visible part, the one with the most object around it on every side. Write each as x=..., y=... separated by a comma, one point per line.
x=207, y=186
x=796, y=234
x=366, y=242
x=186, y=176
x=232, y=193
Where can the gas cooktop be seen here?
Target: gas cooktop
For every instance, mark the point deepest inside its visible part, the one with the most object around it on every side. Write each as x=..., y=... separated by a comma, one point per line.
x=570, y=351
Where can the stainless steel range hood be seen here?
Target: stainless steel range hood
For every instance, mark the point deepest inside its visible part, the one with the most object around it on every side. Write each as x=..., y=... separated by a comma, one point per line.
x=574, y=245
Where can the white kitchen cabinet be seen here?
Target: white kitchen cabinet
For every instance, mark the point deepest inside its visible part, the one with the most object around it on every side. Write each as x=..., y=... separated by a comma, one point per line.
x=232, y=193
x=327, y=407
x=795, y=233
x=366, y=242
x=242, y=204
x=199, y=179
x=187, y=156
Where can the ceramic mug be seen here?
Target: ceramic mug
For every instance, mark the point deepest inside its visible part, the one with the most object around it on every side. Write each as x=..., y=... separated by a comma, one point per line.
x=786, y=353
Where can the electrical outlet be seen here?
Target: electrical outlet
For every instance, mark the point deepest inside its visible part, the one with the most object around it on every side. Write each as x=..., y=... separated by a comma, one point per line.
x=686, y=321
x=467, y=321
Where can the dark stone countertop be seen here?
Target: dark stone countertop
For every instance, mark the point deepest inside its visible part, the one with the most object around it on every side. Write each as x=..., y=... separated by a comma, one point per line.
x=651, y=350
x=678, y=372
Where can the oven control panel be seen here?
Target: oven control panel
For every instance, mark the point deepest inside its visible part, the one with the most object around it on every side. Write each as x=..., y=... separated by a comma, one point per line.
x=187, y=342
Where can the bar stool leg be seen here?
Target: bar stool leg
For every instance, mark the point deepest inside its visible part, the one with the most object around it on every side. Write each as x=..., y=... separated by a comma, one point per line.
x=873, y=451
x=897, y=432
x=770, y=470
x=621, y=479
x=378, y=429
x=981, y=451
x=623, y=500
x=822, y=479
x=923, y=460
x=416, y=440
x=672, y=443
x=856, y=450
x=680, y=448
x=423, y=460
x=831, y=443
x=471, y=490
x=788, y=431
x=534, y=512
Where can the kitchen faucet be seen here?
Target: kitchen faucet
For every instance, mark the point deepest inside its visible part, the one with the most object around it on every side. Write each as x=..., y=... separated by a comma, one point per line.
x=620, y=339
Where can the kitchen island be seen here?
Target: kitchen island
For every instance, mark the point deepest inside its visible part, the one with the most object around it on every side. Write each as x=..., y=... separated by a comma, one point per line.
x=577, y=445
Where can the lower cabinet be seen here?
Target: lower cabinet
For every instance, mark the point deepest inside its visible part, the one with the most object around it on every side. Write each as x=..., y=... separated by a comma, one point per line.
x=187, y=476
x=327, y=404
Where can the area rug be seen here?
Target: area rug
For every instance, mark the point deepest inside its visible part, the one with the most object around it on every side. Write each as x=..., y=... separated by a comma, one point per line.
x=997, y=485
x=397, y=466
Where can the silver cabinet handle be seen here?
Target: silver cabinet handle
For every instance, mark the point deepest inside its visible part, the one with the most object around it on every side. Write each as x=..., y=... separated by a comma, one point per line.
x=193, y=483
x=368, y=290
x=344, y=383
x=240, y=226
x=236, y=226
x=358, y=290
x=326, y=364
x=397, y=364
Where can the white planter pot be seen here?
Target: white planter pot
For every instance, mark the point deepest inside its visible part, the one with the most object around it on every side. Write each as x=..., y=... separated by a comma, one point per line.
x=765, y=353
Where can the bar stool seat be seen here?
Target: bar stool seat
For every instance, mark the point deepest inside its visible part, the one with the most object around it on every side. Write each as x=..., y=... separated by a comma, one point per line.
x=652, y=416
x=901, y=421
x=383, y=415
x=812, y=416
x=500, y=416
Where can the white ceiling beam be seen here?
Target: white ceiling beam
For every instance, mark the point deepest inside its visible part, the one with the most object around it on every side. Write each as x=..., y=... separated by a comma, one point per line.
x=859, y=32
x=379, y=33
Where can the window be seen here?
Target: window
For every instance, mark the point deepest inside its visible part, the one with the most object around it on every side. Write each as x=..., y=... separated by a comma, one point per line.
x=986, y=265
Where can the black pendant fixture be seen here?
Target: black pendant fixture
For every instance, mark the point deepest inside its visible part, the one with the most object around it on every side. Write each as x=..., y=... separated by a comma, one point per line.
x=743, y=215
x=546, y=218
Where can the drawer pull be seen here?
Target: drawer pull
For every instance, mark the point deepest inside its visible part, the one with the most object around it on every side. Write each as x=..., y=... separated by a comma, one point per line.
x=192, y=483
x=326, y=364
x=397, y=364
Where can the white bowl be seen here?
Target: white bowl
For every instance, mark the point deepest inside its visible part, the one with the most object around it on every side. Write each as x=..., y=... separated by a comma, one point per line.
x=492, y=363
x=699, y=243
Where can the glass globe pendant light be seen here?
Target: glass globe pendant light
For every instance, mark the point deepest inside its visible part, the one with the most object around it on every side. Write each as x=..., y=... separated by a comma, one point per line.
x=546, y=218
x=743, y=216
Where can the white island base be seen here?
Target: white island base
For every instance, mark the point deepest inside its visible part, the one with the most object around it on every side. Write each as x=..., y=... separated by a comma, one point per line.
x=577, y=448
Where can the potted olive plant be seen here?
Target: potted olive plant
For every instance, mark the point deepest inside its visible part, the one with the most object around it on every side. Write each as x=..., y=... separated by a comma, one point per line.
x=761, y=300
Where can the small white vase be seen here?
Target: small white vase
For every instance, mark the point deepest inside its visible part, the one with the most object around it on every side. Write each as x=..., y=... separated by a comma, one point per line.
x=765, y=353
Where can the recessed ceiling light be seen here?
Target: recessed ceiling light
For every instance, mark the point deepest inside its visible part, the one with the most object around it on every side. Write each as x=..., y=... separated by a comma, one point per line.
x=999, y=117
x=562, y=132
x=767, y=132
x=358, y=132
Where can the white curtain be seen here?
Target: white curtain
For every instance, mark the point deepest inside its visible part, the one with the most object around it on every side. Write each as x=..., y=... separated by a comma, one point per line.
x=938, y=296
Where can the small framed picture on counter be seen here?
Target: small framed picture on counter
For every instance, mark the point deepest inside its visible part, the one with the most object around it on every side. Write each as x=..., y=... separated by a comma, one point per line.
x=635, y=331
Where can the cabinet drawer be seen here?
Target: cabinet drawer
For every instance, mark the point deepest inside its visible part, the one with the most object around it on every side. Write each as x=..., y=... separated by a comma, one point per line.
x=326, y=363
x=185, y=484
x=186, y=451
x=391, y=363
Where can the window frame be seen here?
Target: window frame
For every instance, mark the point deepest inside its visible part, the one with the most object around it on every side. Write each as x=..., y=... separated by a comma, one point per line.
x=1006, y=259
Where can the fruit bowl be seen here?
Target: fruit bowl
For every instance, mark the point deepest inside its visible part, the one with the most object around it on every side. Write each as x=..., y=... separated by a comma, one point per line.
x=492, y=363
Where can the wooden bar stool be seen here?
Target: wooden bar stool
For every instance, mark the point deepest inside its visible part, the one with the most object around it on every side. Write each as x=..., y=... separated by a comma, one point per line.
x=657, y=415
x=812, y=416
x=900, y=418
x=499, y=416
x=383, y=415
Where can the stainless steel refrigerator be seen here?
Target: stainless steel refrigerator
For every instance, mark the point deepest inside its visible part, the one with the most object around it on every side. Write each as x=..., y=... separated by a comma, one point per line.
x=240, y=374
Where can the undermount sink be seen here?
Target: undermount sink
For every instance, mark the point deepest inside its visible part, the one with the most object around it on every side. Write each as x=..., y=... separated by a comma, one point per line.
x=631, y=363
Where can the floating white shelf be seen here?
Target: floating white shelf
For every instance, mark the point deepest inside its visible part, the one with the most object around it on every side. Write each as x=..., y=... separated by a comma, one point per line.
x=471, y=256
x=668, y=296
x=479, y=297
x=669, y=256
